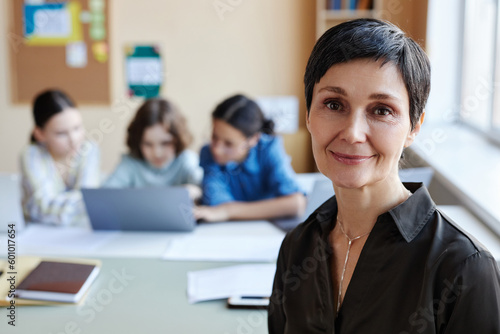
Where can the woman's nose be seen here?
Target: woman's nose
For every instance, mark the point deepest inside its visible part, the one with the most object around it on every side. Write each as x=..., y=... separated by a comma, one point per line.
x=355, y=129
x=158, y=151
x=73, y=139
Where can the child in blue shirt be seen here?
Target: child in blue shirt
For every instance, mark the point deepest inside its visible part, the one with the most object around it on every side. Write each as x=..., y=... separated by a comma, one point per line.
x=158, y=139
x=247, y=174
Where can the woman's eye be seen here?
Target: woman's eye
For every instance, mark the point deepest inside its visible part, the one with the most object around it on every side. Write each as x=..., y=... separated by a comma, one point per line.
x=383, y=111
x=333, y=105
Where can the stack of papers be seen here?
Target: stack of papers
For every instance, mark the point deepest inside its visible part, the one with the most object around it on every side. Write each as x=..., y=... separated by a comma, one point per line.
x=224, y=248
x=254, y=280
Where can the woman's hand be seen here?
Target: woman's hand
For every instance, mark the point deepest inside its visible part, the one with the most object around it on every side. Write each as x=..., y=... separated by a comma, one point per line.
x=211, y=213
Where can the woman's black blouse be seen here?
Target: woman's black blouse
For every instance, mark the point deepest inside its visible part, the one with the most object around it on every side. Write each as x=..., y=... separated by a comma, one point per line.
x=417, y=273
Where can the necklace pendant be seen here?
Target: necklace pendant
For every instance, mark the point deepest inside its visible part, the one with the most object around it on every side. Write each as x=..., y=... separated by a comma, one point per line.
x=349, y=243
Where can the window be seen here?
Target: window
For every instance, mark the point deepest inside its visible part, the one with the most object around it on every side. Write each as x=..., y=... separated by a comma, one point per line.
x=480, y=99
x=463, y=42
x=496, y=86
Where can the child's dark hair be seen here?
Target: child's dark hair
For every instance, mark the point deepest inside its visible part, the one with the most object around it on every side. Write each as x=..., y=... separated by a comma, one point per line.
x=244, y=114
x=47, y=104
x=158, y=111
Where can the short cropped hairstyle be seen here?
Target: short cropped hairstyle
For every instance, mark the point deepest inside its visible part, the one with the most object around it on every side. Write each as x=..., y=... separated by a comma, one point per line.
x=158, y=111
x=377, y=40
x=47, y=104
x=243, y=114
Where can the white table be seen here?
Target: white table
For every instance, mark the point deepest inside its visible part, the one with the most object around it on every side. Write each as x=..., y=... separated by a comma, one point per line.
x=138, y=296
x=50, y=241
x=137, y=292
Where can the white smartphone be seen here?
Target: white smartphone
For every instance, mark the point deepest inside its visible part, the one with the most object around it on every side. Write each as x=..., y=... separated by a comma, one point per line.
x=247, y=302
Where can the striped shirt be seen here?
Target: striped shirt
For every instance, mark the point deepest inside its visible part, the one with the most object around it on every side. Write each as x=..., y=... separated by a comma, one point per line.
x=50, y=197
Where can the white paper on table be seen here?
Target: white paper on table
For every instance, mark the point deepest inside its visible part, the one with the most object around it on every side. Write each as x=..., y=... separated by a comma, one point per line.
x=254, y=280
x=224, y=248
x=63, y=240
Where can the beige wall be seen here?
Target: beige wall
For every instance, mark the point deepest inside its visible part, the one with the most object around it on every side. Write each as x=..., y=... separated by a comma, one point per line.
x=409, y=15
x=258, y=48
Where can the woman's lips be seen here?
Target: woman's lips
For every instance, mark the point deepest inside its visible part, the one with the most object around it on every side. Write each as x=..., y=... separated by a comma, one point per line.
x=350, y=159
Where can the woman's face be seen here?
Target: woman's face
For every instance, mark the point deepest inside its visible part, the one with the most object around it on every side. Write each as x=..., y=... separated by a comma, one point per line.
x=359, y=123
x=228, y=143
x=157, y=145
x=63, y=134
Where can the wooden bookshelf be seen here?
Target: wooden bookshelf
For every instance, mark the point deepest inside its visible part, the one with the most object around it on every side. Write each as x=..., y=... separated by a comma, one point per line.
x=327, y=16
x=411, y=16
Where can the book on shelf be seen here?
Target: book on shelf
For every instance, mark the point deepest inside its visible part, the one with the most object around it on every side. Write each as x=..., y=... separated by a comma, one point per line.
x=334, y=4
x=365, y=4
x=57, y=281
x=349, y=4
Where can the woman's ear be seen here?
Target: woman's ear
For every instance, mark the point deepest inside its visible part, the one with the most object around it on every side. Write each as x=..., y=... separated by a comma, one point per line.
x=39, y=135
x=414, y=132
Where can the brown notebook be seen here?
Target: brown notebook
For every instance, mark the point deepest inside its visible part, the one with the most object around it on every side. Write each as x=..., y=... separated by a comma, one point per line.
x=57, y=281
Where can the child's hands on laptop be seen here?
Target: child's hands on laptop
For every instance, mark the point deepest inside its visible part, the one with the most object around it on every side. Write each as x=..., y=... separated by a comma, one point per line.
x=210, y=213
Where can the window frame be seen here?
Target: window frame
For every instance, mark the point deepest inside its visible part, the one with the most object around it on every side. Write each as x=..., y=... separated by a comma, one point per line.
x=492, y=129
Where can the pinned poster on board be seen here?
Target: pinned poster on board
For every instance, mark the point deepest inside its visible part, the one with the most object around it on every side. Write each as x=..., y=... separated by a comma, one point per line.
x=76, y=54
x=52, y=23
x=144, y=70
x=97, y=22
x=283, y=110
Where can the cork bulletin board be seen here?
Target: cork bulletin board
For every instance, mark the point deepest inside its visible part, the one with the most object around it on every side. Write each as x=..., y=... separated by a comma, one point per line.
x=59, y=44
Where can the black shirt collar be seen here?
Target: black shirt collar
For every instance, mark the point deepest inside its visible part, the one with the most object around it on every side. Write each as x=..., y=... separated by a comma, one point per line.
x=410, y=216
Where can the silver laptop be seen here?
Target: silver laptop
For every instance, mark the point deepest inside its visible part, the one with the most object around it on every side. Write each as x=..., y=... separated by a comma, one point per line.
x=140, y=209
x=11, y=211
x=323, y=190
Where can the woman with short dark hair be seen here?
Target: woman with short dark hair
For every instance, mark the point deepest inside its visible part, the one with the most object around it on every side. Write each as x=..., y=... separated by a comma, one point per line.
x=378, y=257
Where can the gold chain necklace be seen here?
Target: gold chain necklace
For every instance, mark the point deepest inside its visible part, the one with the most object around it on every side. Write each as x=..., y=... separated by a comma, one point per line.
x=350, y=240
